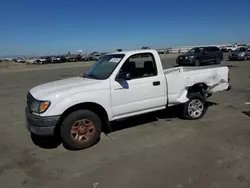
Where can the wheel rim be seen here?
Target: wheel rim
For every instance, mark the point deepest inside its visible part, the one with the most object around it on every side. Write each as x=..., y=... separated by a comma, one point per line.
x=197, y=63
x=195, y=108
x=82, y=131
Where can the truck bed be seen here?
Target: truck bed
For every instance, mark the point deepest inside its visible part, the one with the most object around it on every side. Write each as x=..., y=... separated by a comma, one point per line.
x=187, y=69
x=179, y=79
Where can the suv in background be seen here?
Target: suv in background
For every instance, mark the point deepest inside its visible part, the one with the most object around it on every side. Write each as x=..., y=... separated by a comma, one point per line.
x=201, y=55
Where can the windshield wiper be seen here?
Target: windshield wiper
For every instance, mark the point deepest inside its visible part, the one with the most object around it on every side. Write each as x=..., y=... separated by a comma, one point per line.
x=90, y=76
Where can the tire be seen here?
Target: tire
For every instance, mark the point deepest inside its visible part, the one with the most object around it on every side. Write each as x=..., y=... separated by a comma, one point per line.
x=197, y=62
x=195, y=99
x=80, y=129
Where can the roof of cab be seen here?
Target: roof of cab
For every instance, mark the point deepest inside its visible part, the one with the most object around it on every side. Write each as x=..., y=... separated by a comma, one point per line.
x=135, y=52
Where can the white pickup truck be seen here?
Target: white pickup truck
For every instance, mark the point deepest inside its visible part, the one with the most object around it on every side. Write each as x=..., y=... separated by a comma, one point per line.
x=118, y=85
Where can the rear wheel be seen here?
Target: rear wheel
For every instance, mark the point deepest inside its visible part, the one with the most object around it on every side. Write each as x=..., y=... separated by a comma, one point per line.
x=196, y=107
x=81, y=129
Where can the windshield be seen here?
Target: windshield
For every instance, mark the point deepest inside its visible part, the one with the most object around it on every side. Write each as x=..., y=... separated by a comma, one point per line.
x=104, y=67
x=196, y=50
x=240, y=50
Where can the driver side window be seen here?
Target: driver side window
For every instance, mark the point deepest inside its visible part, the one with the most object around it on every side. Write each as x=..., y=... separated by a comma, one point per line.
x=139, y=66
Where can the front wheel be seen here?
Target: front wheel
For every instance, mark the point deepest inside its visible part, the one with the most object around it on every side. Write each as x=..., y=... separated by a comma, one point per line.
x=196, y=62
x=196, y=107
x=81, y=129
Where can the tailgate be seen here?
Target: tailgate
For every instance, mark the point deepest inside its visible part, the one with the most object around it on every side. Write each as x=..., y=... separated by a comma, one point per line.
x=220, y=80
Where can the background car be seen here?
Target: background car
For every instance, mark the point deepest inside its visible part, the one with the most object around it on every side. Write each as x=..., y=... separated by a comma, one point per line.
x=56, y=59
x=63, y=59
x=201, y=55
x=145, y=48
x=31, y=61
x=41, y=60
x=72, y=58
x=241, y=53
x=248, y=53
x=94, y=56
x=19, y=60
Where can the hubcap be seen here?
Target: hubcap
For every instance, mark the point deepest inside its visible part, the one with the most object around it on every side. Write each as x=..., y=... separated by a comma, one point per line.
x=195, y=108
x=82, y=131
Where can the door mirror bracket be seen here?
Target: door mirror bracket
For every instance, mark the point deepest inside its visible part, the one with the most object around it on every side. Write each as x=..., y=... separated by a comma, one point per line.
x=124, y=76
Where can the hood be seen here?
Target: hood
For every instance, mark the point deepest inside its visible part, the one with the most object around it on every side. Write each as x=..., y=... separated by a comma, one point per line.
x=65, y=87
x=236, y=53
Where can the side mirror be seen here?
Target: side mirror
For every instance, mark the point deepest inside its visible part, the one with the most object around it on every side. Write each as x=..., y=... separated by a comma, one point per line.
x=124, y=76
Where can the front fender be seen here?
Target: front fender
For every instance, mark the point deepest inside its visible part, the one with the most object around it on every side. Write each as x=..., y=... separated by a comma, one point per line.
x=101, y=97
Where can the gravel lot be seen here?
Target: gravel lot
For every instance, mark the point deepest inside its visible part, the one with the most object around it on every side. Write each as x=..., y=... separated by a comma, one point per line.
x=145, y=151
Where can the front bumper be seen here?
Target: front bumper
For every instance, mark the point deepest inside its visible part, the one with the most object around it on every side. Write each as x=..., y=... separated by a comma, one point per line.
x=185, y=62
x=44, y=126
x=236, y=57
x=229, y=88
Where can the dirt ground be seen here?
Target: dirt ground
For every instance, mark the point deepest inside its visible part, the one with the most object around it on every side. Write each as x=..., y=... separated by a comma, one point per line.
x=148, y=151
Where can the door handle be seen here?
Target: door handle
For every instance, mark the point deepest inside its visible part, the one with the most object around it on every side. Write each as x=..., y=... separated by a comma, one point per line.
x=119, y=88
x=156, y=83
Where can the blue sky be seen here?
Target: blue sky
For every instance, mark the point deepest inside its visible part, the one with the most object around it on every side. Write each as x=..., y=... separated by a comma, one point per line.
x=59, y=26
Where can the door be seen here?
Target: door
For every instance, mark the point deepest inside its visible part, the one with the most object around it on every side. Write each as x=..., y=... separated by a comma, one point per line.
x=143, y=89
x=208, y=54
x=205, y=55
x=214, y=53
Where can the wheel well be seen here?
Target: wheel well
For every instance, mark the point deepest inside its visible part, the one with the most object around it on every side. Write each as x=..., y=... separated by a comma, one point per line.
x=198, y=88
x=94, y=107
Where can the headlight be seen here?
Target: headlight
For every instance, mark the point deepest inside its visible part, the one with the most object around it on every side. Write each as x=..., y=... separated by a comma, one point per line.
x=242, y=54
x=39, y=106
x=190, y=57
